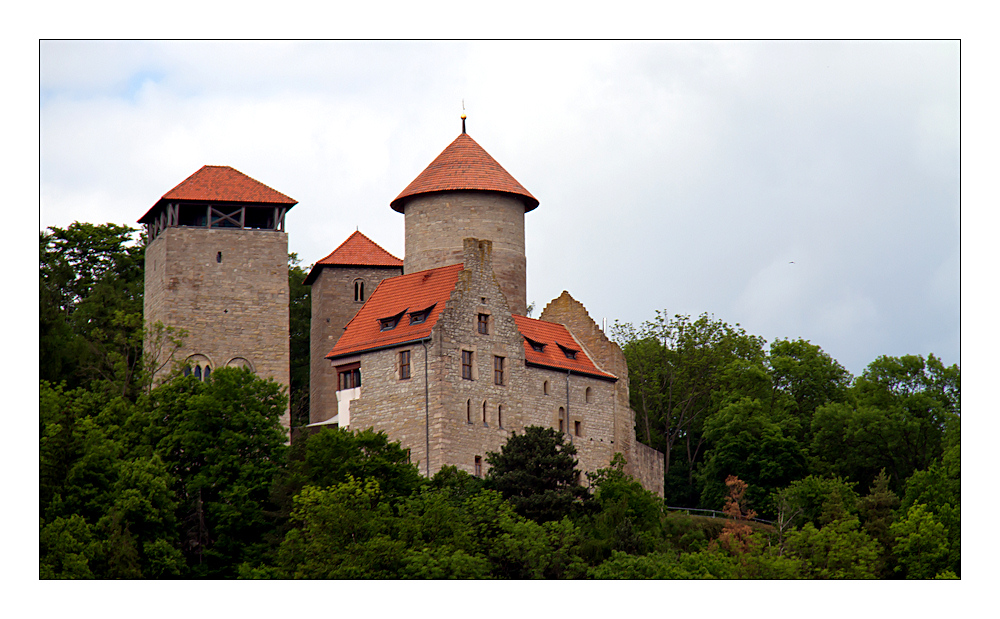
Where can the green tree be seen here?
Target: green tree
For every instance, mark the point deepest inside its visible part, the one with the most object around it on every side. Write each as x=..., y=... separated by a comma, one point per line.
x=222, y=443
x=90, y=303
x=299, y=320
x=921, y=544
x=756, y=444
x=536, y=471
x=808, y=376
x=680, y=371
x=839, y=550
x=894, y=419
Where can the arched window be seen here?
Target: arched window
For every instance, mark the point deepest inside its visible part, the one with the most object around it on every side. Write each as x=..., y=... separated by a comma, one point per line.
x=545, y=388
x=208, y=371
x=484, y=412
x=586, y=395
x=187, y=370
x=197, y=372
x=240, y=362
x=359, y=291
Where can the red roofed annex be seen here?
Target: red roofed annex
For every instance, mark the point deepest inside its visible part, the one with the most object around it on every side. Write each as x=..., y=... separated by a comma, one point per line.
x=435, y=348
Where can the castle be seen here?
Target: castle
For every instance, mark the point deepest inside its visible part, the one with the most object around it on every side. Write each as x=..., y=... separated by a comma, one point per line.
x=434, y=349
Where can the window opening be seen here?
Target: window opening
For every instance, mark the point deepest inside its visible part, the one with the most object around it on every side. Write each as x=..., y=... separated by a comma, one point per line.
x=536, y=346
x=576, y=428
x=479, y=466
x=484, y=413
x=404, y=364
x=484, y=324
x=586, y=395
x=467, y=364
x=218, y=257
x=349, y=378
x=197, y=372
x=545, y=387
x=359, y=291
x=468, y=411
x=208, y=371
x=569, y=352
x=562, y=413
x=498, y=370
x=388, y=324
x=187, y=370
x=418, y=317
x=500, y=415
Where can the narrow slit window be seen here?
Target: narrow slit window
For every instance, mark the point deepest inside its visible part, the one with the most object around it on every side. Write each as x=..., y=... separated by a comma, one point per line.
x=500, y=415
x=576, y=428
x=218, y=257
x=468, y=411
x=359, y=291
x=545, y=387
x=479, y=466
x=484, y=412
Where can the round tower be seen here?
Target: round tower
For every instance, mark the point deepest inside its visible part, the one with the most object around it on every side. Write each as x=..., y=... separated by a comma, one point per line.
x=464, y=193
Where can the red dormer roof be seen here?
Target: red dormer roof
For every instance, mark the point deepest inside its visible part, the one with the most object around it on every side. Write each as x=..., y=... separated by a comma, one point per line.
x=555, y=340
x=464, y=166
x=213, y=183
x=357, y=251
x=404, y=294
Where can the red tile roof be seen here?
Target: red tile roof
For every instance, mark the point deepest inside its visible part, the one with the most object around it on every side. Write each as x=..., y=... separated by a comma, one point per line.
x=464, y=165
x=214, y=183
x=555, y=338
x=357, y=251
x=406, y=293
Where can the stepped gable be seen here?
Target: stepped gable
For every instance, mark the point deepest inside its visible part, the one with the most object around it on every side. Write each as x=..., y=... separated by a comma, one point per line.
x=555, y=339
x=357, y=251
x=398, y=297
x=214, y=183
x=464, y=166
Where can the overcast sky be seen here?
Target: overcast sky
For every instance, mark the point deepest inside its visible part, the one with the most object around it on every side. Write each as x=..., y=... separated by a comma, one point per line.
x=801, y=189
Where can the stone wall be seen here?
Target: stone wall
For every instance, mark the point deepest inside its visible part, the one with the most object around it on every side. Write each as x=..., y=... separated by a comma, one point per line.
x=469, y=418
x=333, y=306
x=229, y=289
x=437, y=224
x=567, y=311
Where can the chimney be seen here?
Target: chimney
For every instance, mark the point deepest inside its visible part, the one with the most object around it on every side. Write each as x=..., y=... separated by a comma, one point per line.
x=478, y=254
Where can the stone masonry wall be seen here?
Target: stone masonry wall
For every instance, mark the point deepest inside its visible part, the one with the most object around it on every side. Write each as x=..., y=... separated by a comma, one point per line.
x=333, y=306
x=458, y=431
x=229, y=289
x=567, y=311
x=437, y=224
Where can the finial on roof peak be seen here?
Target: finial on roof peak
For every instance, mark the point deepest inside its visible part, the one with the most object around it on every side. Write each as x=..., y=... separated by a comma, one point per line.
x=463, y=123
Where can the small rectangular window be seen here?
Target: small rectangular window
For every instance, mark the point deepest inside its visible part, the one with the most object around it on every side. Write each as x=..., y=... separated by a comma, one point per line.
x=484, y=324
x=467, y=364
x=349, y=379
x=576, y=428
x=479, y=466
x=498, y=370
x=404, y=364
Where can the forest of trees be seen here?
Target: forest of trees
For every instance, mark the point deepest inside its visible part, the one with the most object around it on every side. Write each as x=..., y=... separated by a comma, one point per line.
x=820, y=474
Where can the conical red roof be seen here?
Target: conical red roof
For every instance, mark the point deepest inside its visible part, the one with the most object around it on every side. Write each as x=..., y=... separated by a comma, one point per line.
x=214, y=183
x=464, y=166
x=357, y=251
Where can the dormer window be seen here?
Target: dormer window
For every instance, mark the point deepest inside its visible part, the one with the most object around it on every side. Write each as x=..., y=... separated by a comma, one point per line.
x=389, y=323
x=418, y=317
x=536, y=346
x=569, y=352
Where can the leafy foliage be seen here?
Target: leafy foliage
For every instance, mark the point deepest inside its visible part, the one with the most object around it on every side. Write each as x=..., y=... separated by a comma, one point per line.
x=536, y=472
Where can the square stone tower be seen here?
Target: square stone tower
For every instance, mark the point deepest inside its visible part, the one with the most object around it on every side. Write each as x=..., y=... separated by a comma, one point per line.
x=217, y=267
